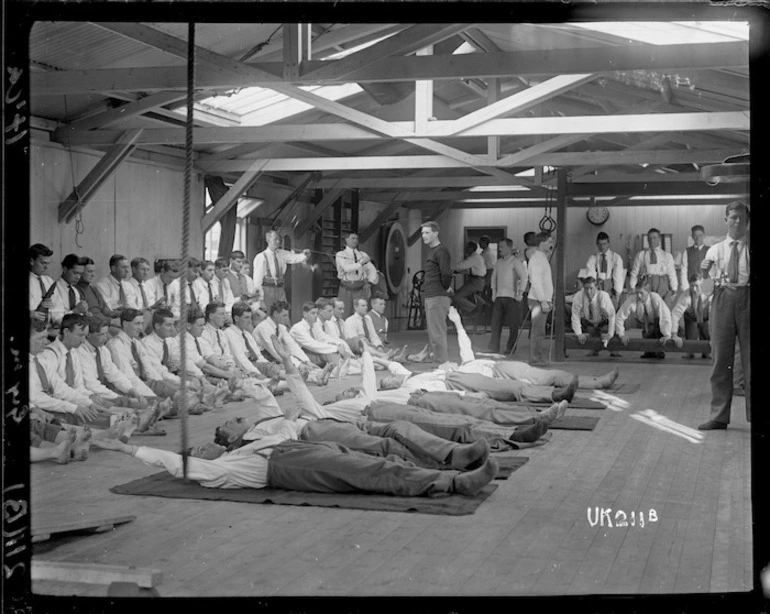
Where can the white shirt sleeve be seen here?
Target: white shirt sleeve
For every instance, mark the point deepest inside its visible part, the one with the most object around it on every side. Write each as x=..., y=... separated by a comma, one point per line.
x=635, y=269
x=262, y=334
x=577, y=311
x=41, y=399
x=238, y=349
x=305, y=399
x=621, y=316
x=90, y=374
x=609, y=309
x=664, y=315
x=678, y=311
x=301, y=334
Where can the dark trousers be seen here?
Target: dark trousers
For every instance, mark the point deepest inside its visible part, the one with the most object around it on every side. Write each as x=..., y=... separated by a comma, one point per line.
x=505, y=312
x=594, y=330
x=730, y=316
x=652, y=331
x=270, y=295
x=324, y=466
x=400, y=439
x=462, y=296
x=483, y=409
x=695, y=330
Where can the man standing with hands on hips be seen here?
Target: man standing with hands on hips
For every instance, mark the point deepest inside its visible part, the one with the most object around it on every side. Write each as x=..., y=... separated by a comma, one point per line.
x=437, y=289
x=728, y=264
x=355, y=272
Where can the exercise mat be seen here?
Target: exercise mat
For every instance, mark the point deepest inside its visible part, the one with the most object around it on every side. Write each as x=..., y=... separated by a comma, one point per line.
x=575, y=423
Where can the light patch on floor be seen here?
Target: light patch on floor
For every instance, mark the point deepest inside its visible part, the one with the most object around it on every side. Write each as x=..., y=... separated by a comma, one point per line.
x=655, y=420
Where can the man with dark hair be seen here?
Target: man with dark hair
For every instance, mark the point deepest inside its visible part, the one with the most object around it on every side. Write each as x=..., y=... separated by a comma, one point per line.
x=39, y=282
x=606, y=267
x=159, y=288
x=208, y=292
x=318, y=351
x=475, y=266
x=360, y=334
x=241, y=284
x=508, y=284
x=186, y=288
x=67, y=298
x=117, y=292
x=324, y=324
x=530, y=245
x=729, y=264
x=693, y=256
x=693, y=308
x=658, y=266
x=162, y=346
x=539, y=297
x=355, y=272
x=437, y=290
x=140, y=271
x=245, y=349
x=593, y=314
x=214, y=335
x=270, y=269
x=92, y=296
x=222, y=290
x=379, y=320
x=651, y=312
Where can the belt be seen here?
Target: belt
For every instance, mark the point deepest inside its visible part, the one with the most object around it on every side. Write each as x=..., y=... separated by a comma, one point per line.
x=734, y=286
x=477, y=276
x=273, y=283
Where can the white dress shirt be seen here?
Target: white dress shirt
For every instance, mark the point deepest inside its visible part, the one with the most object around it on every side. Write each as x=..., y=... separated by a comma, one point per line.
x=655, y=308
x=264, y=264
x=154, y=346
x=321, y=334
x=120, y=347
x=61, y=300
x=54, y=357
x=59, y=398
x=149, y=292
x=719, y=254
x=206, y=292
x=474, y=263
x=509, y=278
x=684, y=303
x=179, y=290
x=304, y=335
x=223, y=293
x=237, y=339
x=602, y=309
x=351, y=269
x=35, y=295
x=335, y=328
x=88, y=355
x=218, y=343
x=614, y=270
x=541, y=282
x=110, y=289
x=155, y=290
x=193, y=356
x=663, y=266
x=266, y=329
x=354, y=327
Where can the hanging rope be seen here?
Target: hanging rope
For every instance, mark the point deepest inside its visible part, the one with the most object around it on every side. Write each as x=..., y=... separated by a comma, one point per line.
x=80, y=227
x=547, y=223
x=188, y=162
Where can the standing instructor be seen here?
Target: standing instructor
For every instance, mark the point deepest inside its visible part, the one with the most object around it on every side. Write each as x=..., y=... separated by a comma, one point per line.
x=437, y=289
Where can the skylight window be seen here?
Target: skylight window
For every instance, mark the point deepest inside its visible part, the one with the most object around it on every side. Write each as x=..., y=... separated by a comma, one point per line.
x=673, y=33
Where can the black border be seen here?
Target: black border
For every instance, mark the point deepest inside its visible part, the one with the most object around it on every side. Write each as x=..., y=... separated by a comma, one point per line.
x=18, y=17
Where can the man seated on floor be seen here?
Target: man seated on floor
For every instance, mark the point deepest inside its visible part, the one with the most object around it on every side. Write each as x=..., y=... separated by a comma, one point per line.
x=277, y=324
x=214, y=334
x=318, y=351
x=693, y=308
x=115, y=289
x=359, y=328
x=593, y=314
x=222, y=284
x=133, y=359
x=244, y=348
x=377, y=316
x=326, y=308
x=288, y=453
x=159, y=288
x=93, y=297
x=186, y=288
x=40, y=284
x=651, y=312
x=67, y=298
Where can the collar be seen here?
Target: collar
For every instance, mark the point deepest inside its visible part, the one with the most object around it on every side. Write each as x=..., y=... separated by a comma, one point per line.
x=210, y=326
x=156, y=337
x=89, y=346
x=741, y=241
x=608, y=253
x=57, y=346
x=114, y=280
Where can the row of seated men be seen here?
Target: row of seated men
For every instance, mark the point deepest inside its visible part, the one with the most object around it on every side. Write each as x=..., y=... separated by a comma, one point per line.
x=442, y=424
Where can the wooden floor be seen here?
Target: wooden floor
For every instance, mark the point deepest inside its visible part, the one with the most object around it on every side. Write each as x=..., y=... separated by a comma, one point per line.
x=532, y=536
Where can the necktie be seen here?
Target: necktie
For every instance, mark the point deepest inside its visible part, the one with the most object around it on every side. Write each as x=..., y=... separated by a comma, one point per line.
x=137, y=358
x=144, y=296
x=339, y=327
x=42, y=287
x=603, y=268
x=641, y=314
x=732, y=266
x=198, y=346
x=219, y=343
x=252, y=355
x=122, y=295
x=221, y=290
x=72, y=297
x=653, y=257
x=164, y=359
x=211, y=292
x=277, y=266
x=165, y=292
x=355, y=256
x=192, y=293
x=100, y=369
x=591, y=310
x=43, y=378
x=366, y=330
x=69, y=370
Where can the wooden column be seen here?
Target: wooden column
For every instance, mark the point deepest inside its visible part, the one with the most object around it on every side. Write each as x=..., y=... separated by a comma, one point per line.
x=354, y=204
x=561, y=265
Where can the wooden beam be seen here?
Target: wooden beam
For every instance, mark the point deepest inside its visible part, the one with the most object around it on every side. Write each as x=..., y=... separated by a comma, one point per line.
x=435, y=217
x=521, y=157
x=230, y=199
x=438, y=161
x=292, y=51
x=636, y=345
x=92, y=573
x=400, y=183
x=411, y=39
x=327, y=201
x=439, y=67
x=514, y=103
x=372, y=128
x=423, y=99
x=561, y=264
x=127, y=111
x=383, y=216
x=106, y=166
x=494, y=93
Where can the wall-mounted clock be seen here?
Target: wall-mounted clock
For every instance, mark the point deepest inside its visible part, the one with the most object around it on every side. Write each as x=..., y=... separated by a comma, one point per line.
x=597, y=215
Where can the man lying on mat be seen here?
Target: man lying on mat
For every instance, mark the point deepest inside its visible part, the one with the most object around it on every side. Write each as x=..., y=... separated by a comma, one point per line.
x=295, y=454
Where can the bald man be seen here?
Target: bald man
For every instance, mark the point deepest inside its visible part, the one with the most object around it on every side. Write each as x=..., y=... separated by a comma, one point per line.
x=270, y=267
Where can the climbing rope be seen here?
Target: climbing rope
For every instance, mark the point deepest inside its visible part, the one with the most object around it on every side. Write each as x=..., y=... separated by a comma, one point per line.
x=80, y=226
x=188, y=164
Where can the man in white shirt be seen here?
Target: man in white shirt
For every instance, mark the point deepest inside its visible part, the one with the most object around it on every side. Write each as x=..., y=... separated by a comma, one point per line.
x=508, y=284
x=133, y=359
x=214, y=335
x=692, y=311
x=158, y=288
x=593, y=314
x=162, y=346
x=198, y=351
x=67, y=298
x=651, y=312
x=475, y=281
x=606, y=267
x=187, y=288
x=539, y=297
x=244, y=347
x=270, y=268
x=729, y=264
x=241, y=285
x=359, y=331
x=208, y=286
x=327, y=328
x=318, y=351
x=39, y=282
x=277, y=324
x=377, y=315
x=222, y=285
x=117, y=292
x=355, y=272
x=658, y=266
x=335, y=325
x=140, y=272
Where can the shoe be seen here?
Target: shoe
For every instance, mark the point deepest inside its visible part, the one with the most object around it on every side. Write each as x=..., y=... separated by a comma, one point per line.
x=592, y=353
x=706, y=356
x=616, y=355
x=712, y=425
x=648, y=355
x=660, y=355
x=688, y=356
x=567, y=392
